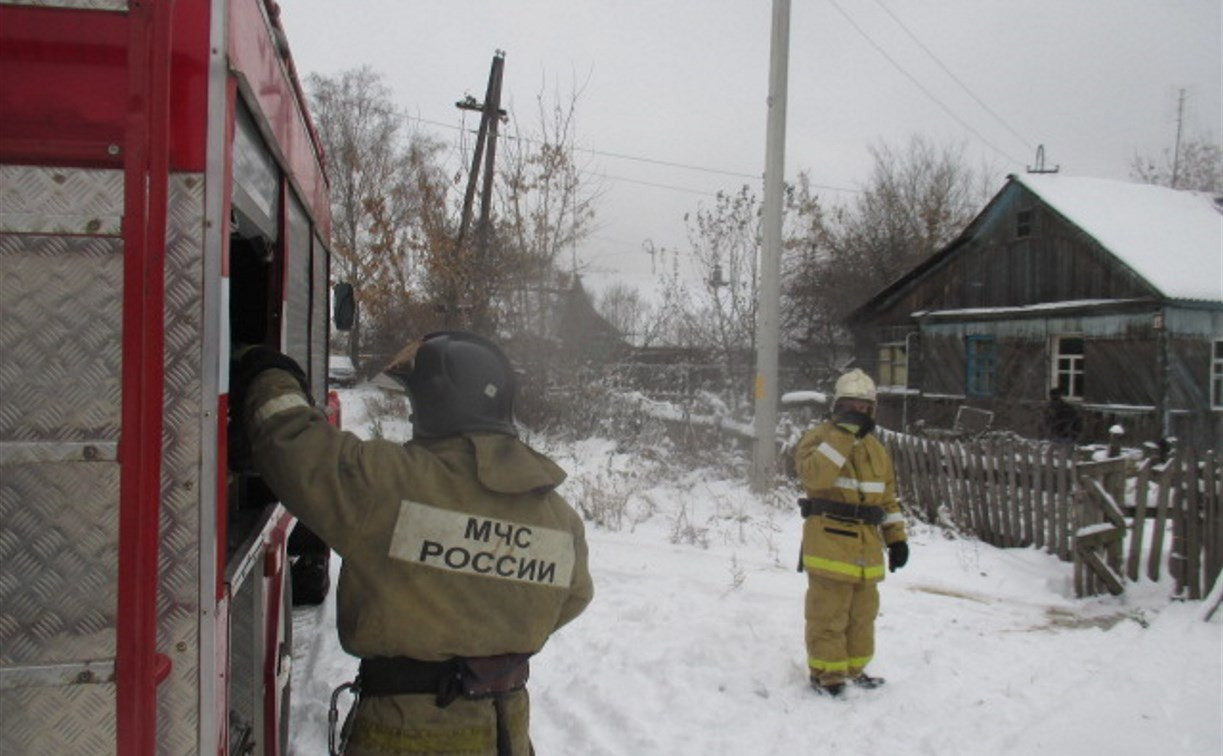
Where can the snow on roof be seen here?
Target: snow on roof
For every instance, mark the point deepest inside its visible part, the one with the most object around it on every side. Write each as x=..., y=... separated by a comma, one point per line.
x=1172, y=238
x=1017, y=309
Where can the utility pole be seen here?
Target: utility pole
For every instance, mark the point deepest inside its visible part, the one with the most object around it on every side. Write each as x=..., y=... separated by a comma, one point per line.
x=490, y=115
x=1176, y=151
x=768, y=308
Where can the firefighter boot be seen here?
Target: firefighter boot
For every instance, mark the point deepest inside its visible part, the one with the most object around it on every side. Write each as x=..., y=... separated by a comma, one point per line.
x=866, y=681
x=832, y=690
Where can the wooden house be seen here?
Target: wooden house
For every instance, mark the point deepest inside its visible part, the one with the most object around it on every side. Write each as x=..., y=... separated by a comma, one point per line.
x=1110, y=291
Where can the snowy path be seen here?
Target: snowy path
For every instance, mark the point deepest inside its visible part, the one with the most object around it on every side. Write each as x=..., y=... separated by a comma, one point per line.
x=696, y=648
x=983, y=652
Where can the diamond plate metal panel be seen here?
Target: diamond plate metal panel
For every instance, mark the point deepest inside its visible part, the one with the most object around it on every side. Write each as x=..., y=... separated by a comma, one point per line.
x=35, y=200
x=244, y=669
x=58, y=561
x=60, y=334
x=60, y=337
x=178, y=610
x=73, y=719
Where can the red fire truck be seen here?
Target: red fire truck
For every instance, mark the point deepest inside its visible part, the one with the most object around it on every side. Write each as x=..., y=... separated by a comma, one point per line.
x=162, y=197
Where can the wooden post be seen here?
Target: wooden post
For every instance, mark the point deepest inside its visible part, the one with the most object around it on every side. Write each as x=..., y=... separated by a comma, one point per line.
x=1141, y=484
x=1065, y=494
x=1016, y=504
x=1029, y=463
x=1212, y=476
x=1043, y=462
x=981, y=483
x=959, y=508
x=1167, y=481
x=1191, y=514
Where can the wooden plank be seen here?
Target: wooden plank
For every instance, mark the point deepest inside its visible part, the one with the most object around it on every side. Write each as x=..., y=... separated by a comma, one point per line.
x=1040, y=458
x=980, y=518
x=1141, y=484
x=1029, y=466
x=1192, y=517
x=1055, y=502
x=920, y=475
x=1065, y=504
x=987, y=494
x=1002, y=495
x=1102, y=498
x=1214, y=514
x=1100, y=534
x=929, y=468
x=1166, y=477
x=959, y=508
x=1016, y=503
x=1176, y=551
x=998, y=508
x=998, y=503
x=943, y=481
x=1101, y=570
x=1081, y=571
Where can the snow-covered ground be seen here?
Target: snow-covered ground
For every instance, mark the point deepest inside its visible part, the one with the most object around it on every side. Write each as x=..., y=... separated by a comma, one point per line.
x=694, y=641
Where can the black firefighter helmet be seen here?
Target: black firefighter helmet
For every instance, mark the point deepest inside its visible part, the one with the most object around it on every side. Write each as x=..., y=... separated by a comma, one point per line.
x=458, y=383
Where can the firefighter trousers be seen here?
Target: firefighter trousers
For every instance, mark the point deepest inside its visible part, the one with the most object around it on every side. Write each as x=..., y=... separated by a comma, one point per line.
x=414, y=725
x=840, y=627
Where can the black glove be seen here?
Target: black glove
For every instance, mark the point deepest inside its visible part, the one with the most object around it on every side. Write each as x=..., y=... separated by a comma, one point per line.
x=249, y=362
x=855, y=423
x=898, y=555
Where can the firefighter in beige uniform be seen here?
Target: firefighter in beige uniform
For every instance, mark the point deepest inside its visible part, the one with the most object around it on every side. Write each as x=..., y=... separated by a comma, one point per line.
x=850, y=513
x=459, y=557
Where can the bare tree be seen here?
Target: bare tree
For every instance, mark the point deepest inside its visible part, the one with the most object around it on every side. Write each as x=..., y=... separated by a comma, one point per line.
x=1198, y=165
x=624, y=308
x=725, y=242
x=917, y=200
x=377, y=172
x=547, y=200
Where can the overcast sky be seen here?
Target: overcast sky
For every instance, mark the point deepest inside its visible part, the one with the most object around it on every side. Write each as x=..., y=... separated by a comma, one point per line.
x=673, y=102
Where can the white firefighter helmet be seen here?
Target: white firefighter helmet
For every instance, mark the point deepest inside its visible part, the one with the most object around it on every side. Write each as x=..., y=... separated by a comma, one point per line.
x=854, y=385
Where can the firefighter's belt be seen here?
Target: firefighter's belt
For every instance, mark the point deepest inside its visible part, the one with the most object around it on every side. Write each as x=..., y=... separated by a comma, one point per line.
x=469, y=677
x=867, y=514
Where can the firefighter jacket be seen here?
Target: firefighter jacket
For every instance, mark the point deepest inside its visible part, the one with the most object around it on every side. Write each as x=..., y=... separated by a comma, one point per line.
x=451, y=547
x=835, y=465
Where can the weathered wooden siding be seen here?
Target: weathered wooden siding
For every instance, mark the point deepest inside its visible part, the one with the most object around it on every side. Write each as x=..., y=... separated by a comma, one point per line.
x=1057, y=262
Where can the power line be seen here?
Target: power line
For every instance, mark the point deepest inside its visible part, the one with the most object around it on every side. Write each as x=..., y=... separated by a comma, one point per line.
x=617, y=155
x=919, y=85
x=954, y=78
x=651, y=161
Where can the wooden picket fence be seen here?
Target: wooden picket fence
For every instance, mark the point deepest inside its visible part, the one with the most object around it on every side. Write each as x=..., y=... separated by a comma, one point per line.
x=1106, y=517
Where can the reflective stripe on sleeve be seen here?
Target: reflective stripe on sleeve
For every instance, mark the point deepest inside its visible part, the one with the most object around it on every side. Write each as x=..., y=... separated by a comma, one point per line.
x=893, y=517
x=278, y=405
x=831, y=453
x=850, y=483
x=863, y=486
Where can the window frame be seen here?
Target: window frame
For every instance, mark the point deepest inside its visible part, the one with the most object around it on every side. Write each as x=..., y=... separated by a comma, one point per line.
x=1070, y=365
x=897, y=359
x=980, y=368
x=1024, y=220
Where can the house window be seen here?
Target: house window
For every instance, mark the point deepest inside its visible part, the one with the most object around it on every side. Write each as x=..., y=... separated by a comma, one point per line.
x=981, y=366
x=1068, y=366
x=1216, y=376
x=1023, y=224
x=893, y=365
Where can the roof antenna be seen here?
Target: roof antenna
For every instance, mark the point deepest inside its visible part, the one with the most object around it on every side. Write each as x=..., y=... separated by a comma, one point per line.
x=1040, y=162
